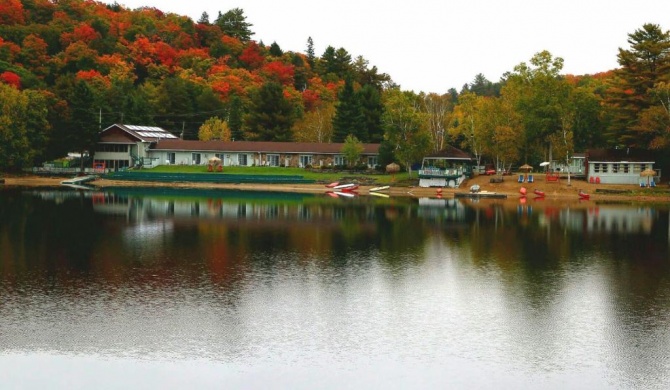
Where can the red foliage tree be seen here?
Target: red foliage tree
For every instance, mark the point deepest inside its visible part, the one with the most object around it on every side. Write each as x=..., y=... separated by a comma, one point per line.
x=251, y=56
x=11, y=78
x=280, y=72
x=11, y=12
x=8, y=50
x=310, y=99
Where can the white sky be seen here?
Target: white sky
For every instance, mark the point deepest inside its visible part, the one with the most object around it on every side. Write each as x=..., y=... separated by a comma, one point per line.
x=434, y=45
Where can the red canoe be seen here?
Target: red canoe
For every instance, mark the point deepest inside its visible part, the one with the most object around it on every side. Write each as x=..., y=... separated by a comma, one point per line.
x=583, y=195
x=538, y=192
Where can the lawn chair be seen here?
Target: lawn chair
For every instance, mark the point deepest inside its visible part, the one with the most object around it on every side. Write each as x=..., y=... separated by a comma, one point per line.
x=520, y=178
x=530, y=178
x=652, y=184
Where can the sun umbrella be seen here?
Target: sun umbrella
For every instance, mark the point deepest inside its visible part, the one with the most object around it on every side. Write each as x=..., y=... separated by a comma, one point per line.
x=392, y=168
x=648, y=173
x=526, y=167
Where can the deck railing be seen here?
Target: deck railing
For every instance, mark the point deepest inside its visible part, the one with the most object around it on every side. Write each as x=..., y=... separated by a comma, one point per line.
x=438, y=172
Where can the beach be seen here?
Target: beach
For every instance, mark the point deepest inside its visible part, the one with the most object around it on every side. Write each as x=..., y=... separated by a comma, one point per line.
x=509, y=186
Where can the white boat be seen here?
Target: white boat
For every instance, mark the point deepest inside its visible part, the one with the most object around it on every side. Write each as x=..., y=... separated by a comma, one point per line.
x=381, y=188
x=343, y=186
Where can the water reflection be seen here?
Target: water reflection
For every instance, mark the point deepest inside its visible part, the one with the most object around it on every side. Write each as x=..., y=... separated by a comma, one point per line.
x=501, y=293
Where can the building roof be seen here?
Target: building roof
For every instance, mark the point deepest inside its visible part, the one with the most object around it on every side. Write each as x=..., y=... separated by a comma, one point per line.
x=450, y=153
x=143, y=133
x=619, y=155
x=256, y=147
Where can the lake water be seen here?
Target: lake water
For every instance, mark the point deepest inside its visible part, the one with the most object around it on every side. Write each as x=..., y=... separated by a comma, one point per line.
x=164, y=288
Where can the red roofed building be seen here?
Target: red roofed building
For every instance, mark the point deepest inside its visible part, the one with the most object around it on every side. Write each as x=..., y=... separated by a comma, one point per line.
x=123, y=146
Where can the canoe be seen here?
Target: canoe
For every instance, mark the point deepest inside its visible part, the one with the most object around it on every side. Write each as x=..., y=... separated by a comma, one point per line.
x=583, y=195
x=343, y=186
x=333, y=184
x=381, y=188
x=351, y=188
x=538, y=192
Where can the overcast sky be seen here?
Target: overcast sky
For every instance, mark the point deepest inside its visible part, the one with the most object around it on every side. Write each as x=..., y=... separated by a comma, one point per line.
x=434, y=45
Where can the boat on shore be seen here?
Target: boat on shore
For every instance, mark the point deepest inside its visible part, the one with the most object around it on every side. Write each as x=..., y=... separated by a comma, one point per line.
x=538, y=193
x=583, y=195
x=333, y=184
x=343, y=186
x=380, y=188
x=351, y=188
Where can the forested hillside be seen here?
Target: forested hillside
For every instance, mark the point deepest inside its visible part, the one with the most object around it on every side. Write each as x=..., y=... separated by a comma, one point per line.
x=71, y=67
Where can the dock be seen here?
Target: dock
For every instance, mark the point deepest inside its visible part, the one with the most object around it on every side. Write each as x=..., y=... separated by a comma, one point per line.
x=79, y=180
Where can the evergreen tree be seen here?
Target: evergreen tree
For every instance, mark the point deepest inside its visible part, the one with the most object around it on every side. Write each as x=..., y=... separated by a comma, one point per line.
x=204, y=18
x=234, y=24
x=235, y=119
x=275, y=50
x=371, y=130
x=645, y=64
x=84, y=128
x=300, y=73
x=310, y=52
x=271, y=116
x=348, y=115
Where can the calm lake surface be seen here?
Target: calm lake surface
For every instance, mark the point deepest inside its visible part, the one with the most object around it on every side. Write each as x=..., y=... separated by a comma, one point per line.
x=163, y=288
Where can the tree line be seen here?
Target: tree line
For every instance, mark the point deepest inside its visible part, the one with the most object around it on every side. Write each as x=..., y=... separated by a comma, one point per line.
x=71, y=68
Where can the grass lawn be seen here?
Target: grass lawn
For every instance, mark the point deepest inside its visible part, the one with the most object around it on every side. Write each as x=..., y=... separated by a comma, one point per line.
x=326, y=175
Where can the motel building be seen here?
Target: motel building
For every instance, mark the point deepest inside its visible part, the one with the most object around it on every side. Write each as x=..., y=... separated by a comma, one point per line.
x=124, y=146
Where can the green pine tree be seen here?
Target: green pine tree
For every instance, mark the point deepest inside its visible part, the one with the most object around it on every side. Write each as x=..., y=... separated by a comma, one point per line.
x=271, y=116
x=348, y=117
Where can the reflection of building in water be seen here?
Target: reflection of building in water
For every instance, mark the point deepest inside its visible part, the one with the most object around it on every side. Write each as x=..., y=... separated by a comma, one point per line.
x=146, y=209
x=441, y=209
x=609, y=219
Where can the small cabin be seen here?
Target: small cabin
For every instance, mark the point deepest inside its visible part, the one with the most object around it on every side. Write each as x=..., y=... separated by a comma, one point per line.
x=619, y=166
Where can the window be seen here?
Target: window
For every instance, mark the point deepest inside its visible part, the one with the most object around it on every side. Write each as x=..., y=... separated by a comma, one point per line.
x=596, y=167
x=242, y=159
x=114, y=148
x=171, y=158
x=373, y=161
x=626, y=168
x=615, y=168
x=605, y=166
x=340, y=160
x=195, y=157
x=305, y=160
x=273, y=160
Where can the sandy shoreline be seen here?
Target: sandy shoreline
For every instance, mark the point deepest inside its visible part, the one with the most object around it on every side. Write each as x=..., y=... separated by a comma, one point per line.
x=509, y=187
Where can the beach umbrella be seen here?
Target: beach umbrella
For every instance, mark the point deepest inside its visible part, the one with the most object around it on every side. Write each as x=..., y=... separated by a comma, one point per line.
x=648, y=173
x=526, y=167
x=214, y=160
x=392, y=168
